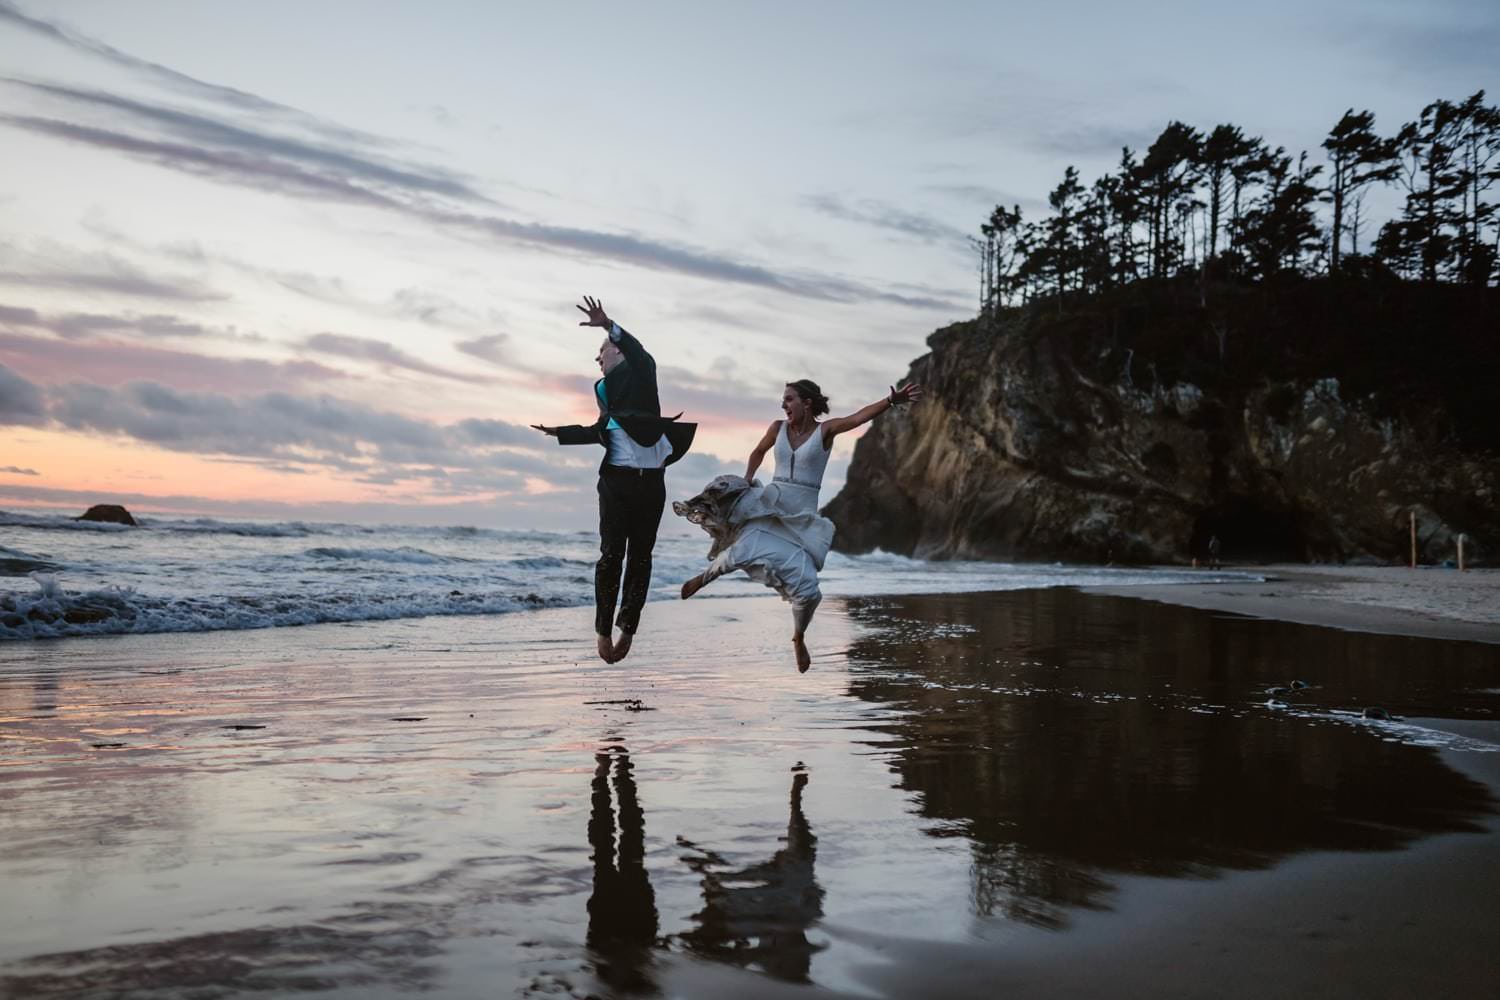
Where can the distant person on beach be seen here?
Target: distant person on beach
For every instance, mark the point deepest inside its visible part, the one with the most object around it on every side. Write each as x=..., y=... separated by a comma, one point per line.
x=1213, y=551
x=639, y=443
x=774, y=532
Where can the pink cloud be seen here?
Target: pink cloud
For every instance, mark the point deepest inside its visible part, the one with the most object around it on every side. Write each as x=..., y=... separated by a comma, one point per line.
x=114, y=363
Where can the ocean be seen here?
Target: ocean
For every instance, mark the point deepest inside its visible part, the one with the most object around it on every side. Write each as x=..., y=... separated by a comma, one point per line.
x=64, y=577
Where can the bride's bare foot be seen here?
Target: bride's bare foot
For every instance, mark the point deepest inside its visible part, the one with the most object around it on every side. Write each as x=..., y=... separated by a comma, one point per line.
x=692, y=586
x=622, y=646
x=606, y=649
x=804, y=658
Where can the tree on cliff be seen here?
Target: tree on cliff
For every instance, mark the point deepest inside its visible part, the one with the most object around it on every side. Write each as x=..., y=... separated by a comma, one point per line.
x=1478, y=157
x=1060, y=258
x=1127, y=209
x=1420, y=238
x=1357, y=158
x=1282, y=227
x=1247, y=171
x=1002, y=255
x=1224, y=147
x=1095, y=222
x=1167, y=174
x=1173, y=211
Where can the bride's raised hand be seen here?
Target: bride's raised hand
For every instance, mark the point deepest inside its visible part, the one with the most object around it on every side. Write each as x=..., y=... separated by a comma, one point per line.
x=909, y=393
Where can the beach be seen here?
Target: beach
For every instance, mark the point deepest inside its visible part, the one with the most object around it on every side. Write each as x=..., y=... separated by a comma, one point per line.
x=1431, y=601
x=1038, y=792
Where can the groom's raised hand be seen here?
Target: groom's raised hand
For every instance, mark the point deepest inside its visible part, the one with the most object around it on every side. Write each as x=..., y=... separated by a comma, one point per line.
x=549, y=431
x=594, y=310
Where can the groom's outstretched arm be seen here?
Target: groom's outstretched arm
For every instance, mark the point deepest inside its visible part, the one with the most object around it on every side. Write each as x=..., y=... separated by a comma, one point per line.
x=572, y=433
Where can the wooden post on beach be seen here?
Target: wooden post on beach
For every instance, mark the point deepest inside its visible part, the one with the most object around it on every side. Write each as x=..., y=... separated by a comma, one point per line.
x=1461, y=566
x=1413, y=516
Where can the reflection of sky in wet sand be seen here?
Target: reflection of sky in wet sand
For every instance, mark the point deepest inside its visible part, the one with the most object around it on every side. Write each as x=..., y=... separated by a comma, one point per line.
x=1003, y=758
x=1069, y=737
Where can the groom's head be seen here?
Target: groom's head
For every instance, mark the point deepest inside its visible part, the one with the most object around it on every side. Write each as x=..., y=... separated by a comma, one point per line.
x=609, y=356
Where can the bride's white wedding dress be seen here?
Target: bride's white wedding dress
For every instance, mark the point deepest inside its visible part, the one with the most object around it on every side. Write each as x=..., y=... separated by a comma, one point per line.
x=772, y=532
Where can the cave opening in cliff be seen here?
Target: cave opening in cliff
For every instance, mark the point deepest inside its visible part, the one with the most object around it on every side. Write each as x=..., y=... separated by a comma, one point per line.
x=1249, y=531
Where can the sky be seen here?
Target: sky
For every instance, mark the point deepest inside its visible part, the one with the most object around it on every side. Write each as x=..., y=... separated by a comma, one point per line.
x=320, y=261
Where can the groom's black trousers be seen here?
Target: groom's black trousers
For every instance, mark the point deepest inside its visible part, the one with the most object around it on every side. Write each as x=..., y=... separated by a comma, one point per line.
x=630, y=508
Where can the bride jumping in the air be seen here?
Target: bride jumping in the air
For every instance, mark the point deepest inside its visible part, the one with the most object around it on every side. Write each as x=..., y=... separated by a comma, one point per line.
x=774, y=532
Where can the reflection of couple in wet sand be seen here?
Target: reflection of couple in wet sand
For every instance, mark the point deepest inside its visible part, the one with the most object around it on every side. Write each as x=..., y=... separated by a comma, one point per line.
x=758, y=915
x=771, y=531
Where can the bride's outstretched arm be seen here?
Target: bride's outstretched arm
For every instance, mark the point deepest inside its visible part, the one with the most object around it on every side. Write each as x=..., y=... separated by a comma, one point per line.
x=758, y=453
x=834, y=426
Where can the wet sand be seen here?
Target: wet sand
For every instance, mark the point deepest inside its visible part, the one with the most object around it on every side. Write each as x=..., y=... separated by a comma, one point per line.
x=1040, y=792
x=1432, y=602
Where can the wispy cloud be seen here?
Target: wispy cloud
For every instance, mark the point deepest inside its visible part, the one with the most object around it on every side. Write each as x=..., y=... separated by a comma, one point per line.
x=109, y=362
x=20, y=400
x=383, y=354
x=984, y=196
x=432, y=309
x=77, y=326
x=260, y=169
x=260, y=172
x=1088, y=141
x=104, y=273
x=13, y=16
x=491, y=348
x=201, y=131
x=870, y=212
x=1452, y=36
x=680, y=259
x=319, y=432
x=16, y=470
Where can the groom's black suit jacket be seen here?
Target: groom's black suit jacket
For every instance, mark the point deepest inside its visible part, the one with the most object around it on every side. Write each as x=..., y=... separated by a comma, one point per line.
x=631, y=400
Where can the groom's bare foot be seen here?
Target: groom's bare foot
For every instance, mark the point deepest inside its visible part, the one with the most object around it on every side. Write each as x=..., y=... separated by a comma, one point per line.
x=622, y=646
x=606, y=649
x=692, y=586
x=804, y=658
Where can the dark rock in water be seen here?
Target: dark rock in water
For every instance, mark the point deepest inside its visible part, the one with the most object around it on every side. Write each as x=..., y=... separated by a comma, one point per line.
x=1376, y=713
x=1112, y=430
x=109, y=513
x=16, y=566
x=85, y=615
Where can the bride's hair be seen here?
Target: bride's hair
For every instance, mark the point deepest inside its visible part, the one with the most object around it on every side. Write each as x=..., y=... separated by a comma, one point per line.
x=811, y=395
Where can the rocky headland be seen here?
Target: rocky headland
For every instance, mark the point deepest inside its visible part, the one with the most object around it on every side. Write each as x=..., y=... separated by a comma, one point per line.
x=1300, y=421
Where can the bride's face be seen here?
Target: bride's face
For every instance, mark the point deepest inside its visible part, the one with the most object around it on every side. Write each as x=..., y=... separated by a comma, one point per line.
x=793, y=405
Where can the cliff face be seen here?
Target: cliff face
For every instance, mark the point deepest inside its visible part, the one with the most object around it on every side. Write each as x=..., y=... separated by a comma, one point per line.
x=1052, y=441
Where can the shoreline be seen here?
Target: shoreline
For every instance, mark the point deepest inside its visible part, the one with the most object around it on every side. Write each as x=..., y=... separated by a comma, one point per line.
x=423, y=801
x=1428, y=603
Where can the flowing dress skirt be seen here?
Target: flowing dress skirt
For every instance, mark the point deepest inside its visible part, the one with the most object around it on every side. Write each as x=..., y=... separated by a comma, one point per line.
x=773, y=532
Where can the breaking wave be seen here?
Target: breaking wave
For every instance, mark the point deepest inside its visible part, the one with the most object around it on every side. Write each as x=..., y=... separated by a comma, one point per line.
x=52, y=612
x=405, y=554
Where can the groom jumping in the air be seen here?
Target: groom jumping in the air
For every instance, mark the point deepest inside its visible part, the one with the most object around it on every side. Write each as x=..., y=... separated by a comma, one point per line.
x=639, y=444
